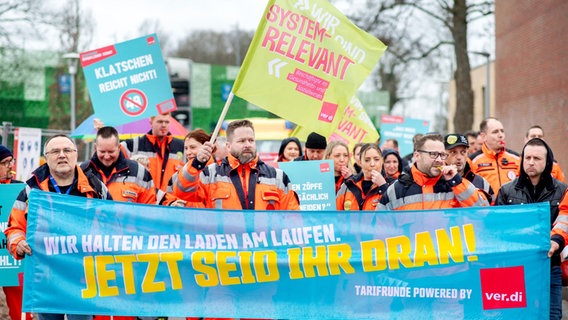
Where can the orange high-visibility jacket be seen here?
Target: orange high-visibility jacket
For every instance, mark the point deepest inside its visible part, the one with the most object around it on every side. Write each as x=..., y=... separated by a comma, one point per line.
x=232, y=185
x=351, y=196
x=417, y=191
x=84, y=185
x=165, y=156
x=129, y=181
x=496, y=168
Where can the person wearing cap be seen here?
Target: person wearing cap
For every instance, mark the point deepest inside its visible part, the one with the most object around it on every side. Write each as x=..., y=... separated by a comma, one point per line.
x=7, y=162
x=536, y=184
x=314, y=148
x=494, y=162
x=13, y=294
x=430, y=184
x=457, y=146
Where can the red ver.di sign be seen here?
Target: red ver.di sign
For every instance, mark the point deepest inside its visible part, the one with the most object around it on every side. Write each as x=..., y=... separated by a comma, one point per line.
x=133, y=102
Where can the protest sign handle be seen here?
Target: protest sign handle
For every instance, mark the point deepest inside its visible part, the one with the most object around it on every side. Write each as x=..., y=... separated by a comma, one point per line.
x=222, y=117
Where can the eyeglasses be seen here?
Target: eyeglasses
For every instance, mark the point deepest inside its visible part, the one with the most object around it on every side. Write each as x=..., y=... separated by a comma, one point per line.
x=8, y=163
x=56, y=152
x=433, y=154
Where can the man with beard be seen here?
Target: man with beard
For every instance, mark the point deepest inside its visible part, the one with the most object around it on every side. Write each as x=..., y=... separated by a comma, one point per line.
x=536, y=184
x=428, y=176
x=251, y=184
x=536, y=131
x=241, y=181
x=457, y=148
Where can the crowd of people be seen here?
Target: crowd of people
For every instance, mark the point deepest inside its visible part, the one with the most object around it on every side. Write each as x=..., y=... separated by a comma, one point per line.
x=443, y=171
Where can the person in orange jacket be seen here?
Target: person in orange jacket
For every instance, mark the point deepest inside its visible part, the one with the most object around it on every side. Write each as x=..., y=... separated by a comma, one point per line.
x=241, y=181
x=246, y=181
x=494, y=162
x=364, y=190
x=13, y=294
x=429, y=175
x=127, y=180
x=164, y=152
x=59, y=174
x=191, y=144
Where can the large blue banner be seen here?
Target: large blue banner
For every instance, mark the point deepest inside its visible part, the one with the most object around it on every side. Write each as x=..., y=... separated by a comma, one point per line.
x=102, y=257
x=9, y=267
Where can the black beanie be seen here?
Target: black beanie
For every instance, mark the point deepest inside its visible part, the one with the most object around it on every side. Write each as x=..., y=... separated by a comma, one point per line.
x=316, y=141
x=5, y=153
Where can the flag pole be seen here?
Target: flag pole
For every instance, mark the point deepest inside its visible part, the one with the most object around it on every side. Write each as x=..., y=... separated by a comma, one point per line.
x=222, y=117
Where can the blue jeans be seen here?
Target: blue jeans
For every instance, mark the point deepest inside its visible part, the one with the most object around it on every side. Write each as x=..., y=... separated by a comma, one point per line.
x=59, y=316
x=555, y=293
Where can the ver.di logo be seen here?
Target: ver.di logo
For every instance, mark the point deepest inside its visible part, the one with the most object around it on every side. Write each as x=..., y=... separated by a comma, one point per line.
x=503, y=288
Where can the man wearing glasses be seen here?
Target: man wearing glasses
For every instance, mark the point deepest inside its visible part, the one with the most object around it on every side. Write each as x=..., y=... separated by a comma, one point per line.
x=431, y=184
x=13, y=294
x=59, y=174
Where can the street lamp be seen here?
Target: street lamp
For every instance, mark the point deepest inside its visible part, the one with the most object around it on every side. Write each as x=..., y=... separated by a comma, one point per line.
x=487, y=56
x=72, y=60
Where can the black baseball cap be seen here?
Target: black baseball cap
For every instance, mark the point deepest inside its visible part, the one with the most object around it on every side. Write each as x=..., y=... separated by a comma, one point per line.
x=453, y=140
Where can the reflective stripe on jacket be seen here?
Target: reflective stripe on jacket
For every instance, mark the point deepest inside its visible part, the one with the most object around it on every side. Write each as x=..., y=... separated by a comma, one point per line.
x=496, y=168
x=166, y=156
x=87, y=185
x=560, y=226
x=129, y=181
x=231, y=185
x=351, y=196
x=417, y=191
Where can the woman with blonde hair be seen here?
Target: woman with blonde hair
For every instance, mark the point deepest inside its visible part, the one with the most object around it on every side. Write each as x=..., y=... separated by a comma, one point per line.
x=338, y=151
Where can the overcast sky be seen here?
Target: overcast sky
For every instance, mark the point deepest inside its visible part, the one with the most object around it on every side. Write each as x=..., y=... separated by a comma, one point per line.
x=117, y=21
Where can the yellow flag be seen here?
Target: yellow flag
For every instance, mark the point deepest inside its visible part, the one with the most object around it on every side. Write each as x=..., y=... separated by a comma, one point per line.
x=353, y=127
x=305, y=63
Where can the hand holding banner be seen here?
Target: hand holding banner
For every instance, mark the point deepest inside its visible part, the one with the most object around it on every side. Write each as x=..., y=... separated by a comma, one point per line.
x=94, y=256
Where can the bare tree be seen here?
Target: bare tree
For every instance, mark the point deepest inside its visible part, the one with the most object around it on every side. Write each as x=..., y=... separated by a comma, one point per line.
x=18, y=18
x=207, y=46
x=149, y=26
x=75, y=29
x=443, y=23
